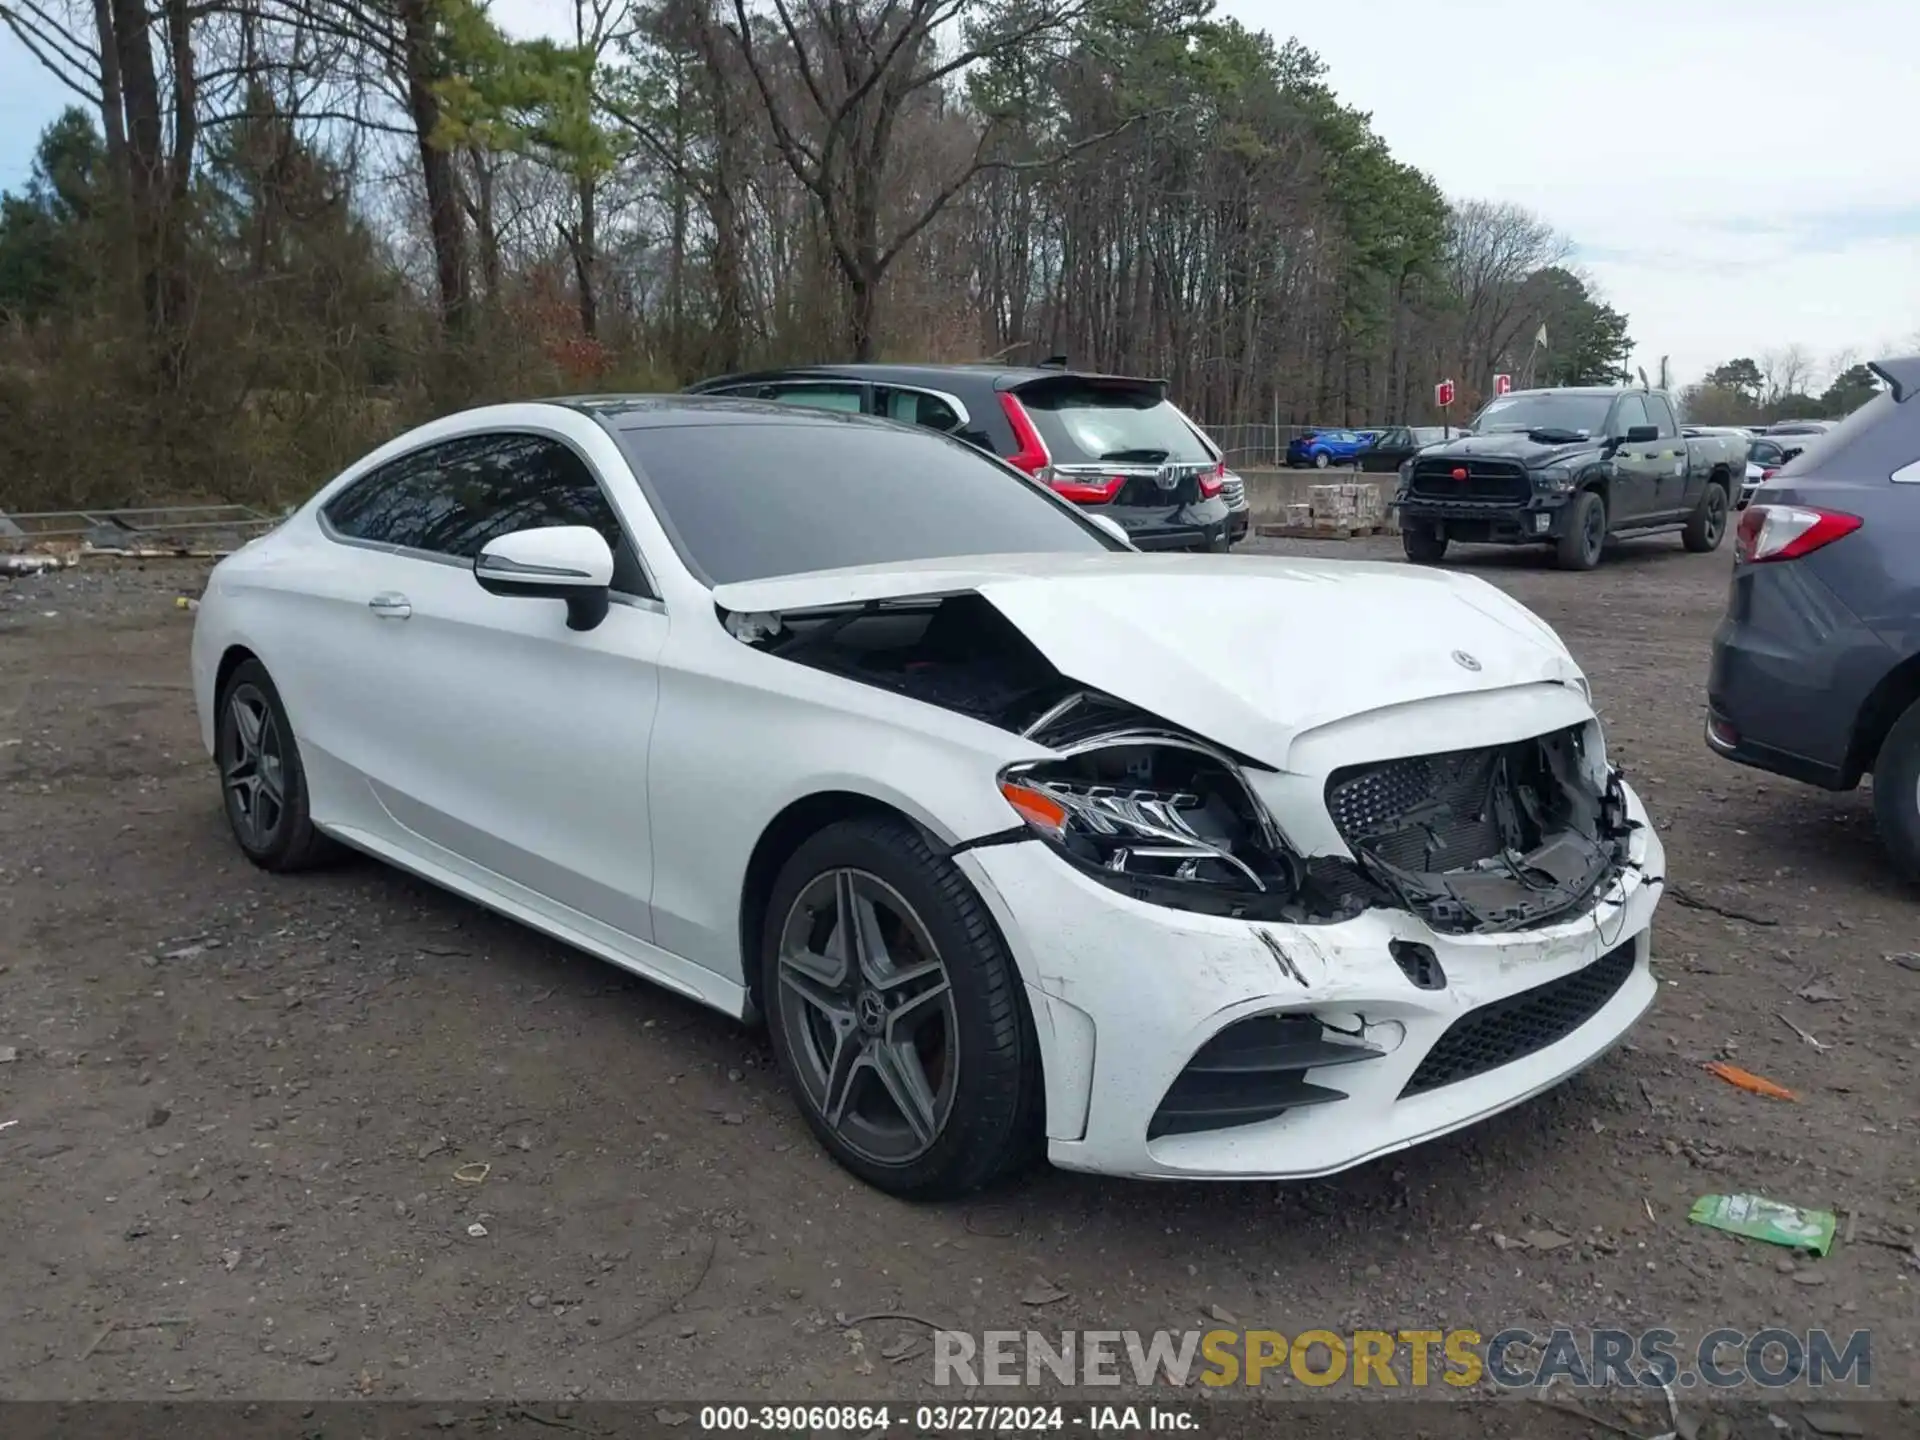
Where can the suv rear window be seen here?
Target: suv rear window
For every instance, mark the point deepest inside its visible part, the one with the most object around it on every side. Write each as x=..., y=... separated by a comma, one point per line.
x=1083, y=420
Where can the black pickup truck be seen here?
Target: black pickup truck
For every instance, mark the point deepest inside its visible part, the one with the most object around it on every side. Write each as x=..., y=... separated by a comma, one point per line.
x=1570, y=469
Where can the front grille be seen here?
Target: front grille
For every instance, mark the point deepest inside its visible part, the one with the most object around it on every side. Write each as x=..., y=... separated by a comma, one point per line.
x=1487, y=481
x=1426, y=812
x=1233, y=490
x=1518, y=1026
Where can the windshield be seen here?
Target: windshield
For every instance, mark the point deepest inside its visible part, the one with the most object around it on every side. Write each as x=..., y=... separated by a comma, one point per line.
x=1544, y=410
x=751, y=499
x=1082, y=420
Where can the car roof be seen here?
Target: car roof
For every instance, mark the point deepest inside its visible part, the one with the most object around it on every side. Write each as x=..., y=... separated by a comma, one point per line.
x=647, y=412
x=999, y=376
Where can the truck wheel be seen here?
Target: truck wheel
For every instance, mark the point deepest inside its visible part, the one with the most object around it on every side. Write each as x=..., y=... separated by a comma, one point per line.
x=1896, y=794
x=1708, y=523
x=1586, y=534
x=1423, y=546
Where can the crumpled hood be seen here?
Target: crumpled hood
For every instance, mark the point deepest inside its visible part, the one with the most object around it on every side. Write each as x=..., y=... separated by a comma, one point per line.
x=1247, y=651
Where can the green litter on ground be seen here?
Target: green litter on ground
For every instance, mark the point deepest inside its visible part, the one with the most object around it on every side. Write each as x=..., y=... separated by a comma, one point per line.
x=1769, y=1220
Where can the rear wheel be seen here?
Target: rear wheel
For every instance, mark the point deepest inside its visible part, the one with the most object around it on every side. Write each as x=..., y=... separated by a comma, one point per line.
x=1321, y=460
x=897, y=1014
x=1586, y=533
x=262, y=780
x=1896, y=794
x=1708, y=523
x=1423, y=545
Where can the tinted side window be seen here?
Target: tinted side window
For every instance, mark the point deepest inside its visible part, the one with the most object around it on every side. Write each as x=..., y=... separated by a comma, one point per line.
x=1629, y=413
x=1660, y=413
x=451, y=499
x=917, y=407
x=846, y=398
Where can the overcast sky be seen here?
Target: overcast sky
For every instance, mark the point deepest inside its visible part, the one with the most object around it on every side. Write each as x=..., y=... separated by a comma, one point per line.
x=1738, y=175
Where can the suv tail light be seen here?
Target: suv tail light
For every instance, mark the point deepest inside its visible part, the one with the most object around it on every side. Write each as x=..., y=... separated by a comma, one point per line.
x=1031, y=452
x=1084, y=489
x=1212, y=481
x=1768, y=473
x=1786, y=532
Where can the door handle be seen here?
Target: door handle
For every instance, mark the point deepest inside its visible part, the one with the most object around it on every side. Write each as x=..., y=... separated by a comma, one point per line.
x=390, y=605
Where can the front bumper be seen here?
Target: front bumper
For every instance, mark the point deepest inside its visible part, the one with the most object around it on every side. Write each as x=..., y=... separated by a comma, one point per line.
x=1124, y=995
x=1542, y=517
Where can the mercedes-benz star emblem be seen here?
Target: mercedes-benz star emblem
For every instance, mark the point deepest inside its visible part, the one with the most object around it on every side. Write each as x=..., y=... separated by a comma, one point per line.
x=1465, y=661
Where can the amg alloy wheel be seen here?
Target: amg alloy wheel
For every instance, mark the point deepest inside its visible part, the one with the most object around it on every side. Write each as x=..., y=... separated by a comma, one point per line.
x=262, y=781
x=896, y=1012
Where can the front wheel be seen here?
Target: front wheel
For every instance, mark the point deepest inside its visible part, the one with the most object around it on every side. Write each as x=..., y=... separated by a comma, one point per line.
x=896, y=1013
x=1896, y=794
x=1423, y=545
x=1579, y=546
x=1708, y=523
x=262, y=779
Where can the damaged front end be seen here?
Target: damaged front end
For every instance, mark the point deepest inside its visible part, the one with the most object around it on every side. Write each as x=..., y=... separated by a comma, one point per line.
x=1485, y=840
x=1501, y=837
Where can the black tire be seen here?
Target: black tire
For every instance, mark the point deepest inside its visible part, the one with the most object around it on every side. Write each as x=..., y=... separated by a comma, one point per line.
x=1586, y=533
x=1707, y=526
x=1896, y=794
x=278, y=834
x=1422, y=545
x=992, y=1122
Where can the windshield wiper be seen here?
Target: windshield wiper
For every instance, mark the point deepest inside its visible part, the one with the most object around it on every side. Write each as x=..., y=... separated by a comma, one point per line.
x=1153, y=457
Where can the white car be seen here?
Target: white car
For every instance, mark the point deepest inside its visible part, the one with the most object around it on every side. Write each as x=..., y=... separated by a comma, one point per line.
x=1180, y=866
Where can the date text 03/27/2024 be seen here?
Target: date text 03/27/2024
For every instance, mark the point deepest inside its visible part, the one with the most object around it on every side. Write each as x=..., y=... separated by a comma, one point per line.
x=944, y=1419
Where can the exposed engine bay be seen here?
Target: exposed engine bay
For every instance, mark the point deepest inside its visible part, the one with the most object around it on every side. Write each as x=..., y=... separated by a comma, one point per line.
x=1476, y=841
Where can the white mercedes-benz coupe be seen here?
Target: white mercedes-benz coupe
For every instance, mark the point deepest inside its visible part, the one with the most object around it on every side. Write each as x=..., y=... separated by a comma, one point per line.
x=1195, y=866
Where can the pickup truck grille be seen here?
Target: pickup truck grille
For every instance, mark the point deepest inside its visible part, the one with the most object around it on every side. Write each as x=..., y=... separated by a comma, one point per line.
x=1234, y=491
x=1491, y=481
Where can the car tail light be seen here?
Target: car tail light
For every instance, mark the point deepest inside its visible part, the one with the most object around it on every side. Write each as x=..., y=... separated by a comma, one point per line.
x=1786, y=532
x=1084, y=489
x=1768, y=473
x=1031, y=452
x=1213, y=481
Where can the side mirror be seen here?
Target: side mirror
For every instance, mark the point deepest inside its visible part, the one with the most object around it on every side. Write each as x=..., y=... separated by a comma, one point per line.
x=563, y=562
x=1642, y=434
x=1114, y=528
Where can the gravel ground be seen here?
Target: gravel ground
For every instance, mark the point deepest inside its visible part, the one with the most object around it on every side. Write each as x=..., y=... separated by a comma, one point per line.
x=235, y=1105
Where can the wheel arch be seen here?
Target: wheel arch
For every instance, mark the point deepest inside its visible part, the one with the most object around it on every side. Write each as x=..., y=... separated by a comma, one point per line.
x=1898, y=690
x=231, y=659
x=784, y=834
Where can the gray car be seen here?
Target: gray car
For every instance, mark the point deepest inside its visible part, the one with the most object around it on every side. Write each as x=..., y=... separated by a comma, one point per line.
x=1816, y=667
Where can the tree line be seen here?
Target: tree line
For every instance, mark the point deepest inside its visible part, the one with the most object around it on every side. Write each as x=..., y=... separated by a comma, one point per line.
x=272, y=232
x=1781, y=384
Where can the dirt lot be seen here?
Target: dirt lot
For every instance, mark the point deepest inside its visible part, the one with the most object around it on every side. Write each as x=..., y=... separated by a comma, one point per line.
x=235, y=1105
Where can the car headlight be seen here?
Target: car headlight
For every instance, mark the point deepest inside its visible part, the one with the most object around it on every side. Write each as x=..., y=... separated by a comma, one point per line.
x=1164, y=819
x=1553, y=478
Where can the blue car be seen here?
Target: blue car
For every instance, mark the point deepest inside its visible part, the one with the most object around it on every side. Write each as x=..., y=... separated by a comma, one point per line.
x=1321, y=448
